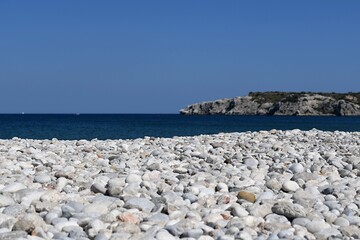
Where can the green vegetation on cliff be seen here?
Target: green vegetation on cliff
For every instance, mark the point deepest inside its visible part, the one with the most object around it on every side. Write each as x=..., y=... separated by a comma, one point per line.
x=274, y=97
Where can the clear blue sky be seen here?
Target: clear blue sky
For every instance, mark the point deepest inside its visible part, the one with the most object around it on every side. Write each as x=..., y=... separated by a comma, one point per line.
x=159, y=56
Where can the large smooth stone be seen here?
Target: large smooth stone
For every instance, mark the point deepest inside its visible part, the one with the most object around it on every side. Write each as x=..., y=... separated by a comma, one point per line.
x=133, y=178
x=115, y=186
x=141, y=204
x=273, y=184
x=27, y=196
x=13, y=187
x=14, y=210
x=290, y=186
x=42, y=178
x=289, y=210
x=29, y=222
x=238, y=211
x=342, y=222
x=296, y=168
x=97, y=208
x=248, y=196
x=316, y=226
x=164, y=235
x=6, y=201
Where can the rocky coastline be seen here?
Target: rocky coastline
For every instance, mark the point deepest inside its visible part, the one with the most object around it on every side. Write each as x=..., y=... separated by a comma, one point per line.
x=281, y=103
x=254, y=185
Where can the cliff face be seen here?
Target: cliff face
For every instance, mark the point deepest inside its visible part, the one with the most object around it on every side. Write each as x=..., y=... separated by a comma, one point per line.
x=281, y=103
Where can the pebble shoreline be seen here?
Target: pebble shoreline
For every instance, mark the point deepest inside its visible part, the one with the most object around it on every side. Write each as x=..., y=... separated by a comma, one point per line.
x=253, y=185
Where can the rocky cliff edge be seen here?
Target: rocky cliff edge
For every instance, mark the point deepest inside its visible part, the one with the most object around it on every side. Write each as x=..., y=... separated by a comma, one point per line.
x=281, y=103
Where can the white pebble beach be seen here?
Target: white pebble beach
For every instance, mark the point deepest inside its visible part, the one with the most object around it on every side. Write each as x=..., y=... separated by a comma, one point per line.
x=252, y=185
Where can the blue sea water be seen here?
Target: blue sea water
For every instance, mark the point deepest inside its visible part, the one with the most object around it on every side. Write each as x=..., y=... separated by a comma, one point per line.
x=130, y=126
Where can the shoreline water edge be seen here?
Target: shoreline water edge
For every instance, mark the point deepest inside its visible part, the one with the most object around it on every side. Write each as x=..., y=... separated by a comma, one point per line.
x=252, y=185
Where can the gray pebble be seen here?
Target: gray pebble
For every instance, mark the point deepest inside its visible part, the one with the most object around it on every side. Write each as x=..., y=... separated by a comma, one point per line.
x=289, y=210
x=42, y=178
x=6, y=201
x=142, y=204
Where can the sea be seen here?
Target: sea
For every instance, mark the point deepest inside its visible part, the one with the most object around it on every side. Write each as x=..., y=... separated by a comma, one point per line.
x=131, y=126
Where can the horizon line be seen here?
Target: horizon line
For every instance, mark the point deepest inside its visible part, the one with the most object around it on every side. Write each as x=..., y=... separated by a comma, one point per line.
x=37, y=113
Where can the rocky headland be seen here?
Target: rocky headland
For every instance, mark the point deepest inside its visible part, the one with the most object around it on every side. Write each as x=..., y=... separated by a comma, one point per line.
x=254, y=185
x=281, y=103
